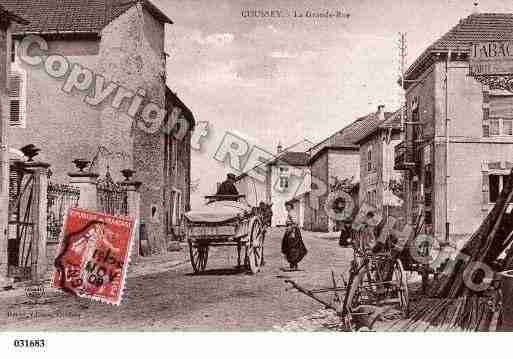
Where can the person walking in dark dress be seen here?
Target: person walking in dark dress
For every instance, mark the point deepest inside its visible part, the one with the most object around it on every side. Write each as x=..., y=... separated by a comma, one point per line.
x=292, y=245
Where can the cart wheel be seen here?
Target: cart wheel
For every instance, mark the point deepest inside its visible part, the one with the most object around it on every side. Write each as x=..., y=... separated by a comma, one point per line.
x=255, y=249
x=262, y=261
x=399, y=278
x=198, y=255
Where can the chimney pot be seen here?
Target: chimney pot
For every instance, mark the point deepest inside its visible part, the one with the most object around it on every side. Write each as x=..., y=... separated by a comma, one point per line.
x=475, y=9
x=381, y=112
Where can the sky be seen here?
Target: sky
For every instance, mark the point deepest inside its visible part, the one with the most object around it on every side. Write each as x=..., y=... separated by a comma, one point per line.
x=284, y=79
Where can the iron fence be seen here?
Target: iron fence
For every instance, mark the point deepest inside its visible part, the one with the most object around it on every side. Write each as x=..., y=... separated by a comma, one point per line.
x=61, y=197
x=112, y=197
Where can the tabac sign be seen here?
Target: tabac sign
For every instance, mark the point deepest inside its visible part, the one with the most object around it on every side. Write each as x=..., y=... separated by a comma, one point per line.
x=491, y=58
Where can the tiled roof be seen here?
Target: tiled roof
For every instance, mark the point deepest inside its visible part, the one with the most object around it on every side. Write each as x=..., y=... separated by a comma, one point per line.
x=72, y=16
x=474, y=28
x=392, y=120
x=349, y=136
x=12, y=16
x=292, y=158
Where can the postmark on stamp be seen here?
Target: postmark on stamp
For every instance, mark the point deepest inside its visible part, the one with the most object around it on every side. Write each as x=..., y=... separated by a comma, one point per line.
x=93, y=255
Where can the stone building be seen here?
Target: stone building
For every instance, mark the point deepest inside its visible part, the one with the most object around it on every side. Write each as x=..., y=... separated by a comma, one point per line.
x=177, y=169
x=380, y=185
x=122, y=44
x=280, y=179
x=459, y=133
x=336, y=158
x=7, y=20
x=288, y=177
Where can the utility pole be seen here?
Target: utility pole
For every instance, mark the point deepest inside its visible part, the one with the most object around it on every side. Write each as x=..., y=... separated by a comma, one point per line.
x=446, y=110
x=402, y=70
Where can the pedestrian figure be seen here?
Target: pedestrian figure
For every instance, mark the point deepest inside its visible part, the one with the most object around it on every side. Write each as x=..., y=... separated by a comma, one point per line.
x=292, y=245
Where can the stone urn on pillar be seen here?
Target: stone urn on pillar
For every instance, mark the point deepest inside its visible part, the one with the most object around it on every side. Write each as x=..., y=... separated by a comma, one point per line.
x=86, y=182
x=127, y=173
x=30, y=151
x=81, y=164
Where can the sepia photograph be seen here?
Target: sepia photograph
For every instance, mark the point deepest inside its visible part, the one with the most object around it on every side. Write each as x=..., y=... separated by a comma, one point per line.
x=233, y=166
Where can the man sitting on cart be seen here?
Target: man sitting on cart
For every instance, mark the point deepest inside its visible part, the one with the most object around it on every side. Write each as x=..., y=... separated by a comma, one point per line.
x=227, y=188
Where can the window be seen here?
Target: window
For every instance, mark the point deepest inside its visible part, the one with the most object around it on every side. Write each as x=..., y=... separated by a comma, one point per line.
x=284, y=182
x=500, y=115
x=178, y=207
x=369, y=159
x=284, y=177
x=175, y=208
x=13, y=51
x=496, y=184
x=495, y=128
x=507, y=127
x=428, y=176
x=501, y=127
x=16, y=92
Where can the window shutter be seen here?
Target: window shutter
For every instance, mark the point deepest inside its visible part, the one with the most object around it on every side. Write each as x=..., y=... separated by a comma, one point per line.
x=486, y=188
x=486, y=124
x=16, y=101
x=501, y=106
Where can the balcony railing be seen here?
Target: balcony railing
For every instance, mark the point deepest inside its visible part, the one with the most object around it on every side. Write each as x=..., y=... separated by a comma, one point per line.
x=404, y=156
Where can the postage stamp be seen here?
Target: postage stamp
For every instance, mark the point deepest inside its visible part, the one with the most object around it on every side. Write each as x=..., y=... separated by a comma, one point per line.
x=93, y=255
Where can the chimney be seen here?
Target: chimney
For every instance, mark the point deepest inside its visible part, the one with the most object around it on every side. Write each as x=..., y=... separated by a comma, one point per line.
x=279, y=148
x=475, y=9
x=380, y=114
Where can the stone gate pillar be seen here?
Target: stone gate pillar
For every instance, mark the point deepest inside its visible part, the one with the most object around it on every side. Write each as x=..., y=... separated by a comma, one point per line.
x=86, y=182
x=134, y=207
x=39, y=219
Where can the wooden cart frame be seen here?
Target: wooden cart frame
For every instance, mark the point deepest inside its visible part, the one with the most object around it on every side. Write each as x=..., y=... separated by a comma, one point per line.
x=246, y=233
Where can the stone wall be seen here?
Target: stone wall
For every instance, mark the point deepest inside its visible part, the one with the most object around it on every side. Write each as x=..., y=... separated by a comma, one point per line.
x=60, y=124
x=132, y=54
x=4, y=56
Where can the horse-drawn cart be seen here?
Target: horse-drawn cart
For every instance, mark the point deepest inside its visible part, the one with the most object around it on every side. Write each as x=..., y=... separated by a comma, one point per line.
x=226, y=221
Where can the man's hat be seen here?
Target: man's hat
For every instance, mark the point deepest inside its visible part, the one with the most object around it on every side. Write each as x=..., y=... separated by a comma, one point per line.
x=231, y=176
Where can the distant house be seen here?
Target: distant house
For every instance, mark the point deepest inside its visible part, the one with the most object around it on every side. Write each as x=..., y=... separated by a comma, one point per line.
x=458, y=143
x=379, y=182
x=285, y=175
x=337, y=158
x=288, y=177
x=123, y=41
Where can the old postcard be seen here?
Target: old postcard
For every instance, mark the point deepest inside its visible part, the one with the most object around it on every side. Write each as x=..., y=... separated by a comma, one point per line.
x=283, y=166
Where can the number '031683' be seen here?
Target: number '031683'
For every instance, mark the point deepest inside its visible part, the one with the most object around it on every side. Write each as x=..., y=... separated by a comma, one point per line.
x=29, y=343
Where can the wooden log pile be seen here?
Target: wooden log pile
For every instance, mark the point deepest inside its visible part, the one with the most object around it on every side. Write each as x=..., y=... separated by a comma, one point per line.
x=453, y=304
x=467, y=313
x=485, y=245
